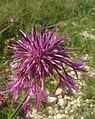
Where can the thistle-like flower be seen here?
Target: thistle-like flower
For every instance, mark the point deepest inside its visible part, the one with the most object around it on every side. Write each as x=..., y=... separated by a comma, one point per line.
x=37, y=56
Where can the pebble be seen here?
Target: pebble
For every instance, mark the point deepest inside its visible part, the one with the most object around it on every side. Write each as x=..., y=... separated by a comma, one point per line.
x=58, y=116
x=58, y=91
x=61, y=102
x=52, y=99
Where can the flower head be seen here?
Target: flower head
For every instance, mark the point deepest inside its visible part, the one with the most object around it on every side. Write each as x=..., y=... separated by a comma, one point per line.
x=37, y=56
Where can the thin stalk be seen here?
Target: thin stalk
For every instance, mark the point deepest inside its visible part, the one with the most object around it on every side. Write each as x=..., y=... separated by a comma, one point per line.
x=18, y=108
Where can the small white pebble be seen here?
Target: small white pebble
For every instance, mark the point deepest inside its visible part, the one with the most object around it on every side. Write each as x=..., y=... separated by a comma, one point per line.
x=58, y=91
x=52, y=99
x=61, y=102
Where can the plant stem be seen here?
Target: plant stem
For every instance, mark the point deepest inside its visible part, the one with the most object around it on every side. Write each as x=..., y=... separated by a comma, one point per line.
x=18, y=108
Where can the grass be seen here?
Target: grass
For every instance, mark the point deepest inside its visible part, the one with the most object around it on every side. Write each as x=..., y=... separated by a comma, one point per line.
x=73, y=18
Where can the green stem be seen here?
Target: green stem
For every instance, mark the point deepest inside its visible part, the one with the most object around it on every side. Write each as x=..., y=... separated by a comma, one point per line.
x=18, y=108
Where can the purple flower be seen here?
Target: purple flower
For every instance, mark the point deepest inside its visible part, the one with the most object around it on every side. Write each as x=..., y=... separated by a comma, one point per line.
x=39, y=55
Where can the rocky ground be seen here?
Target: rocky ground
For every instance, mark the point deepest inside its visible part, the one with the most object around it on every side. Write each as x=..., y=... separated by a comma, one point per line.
x=68, y=106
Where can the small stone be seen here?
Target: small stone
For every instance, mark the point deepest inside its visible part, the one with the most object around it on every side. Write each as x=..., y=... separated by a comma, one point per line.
x=66, y=111
x=60, y=97
x=58, y=116
x=58, y=91
x=49, y=117
x=71, y=111
x=67, y=98
x=61, y=102
x=50, y=110
x=52, y=99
